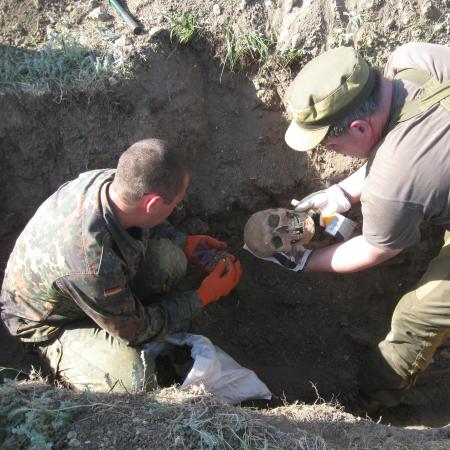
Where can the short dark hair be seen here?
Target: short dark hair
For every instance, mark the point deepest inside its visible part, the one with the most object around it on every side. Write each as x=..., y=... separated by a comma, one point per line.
x=150, y=165
x=366, y=109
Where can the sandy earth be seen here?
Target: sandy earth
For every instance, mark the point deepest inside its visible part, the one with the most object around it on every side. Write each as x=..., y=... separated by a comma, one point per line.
x=294, y=331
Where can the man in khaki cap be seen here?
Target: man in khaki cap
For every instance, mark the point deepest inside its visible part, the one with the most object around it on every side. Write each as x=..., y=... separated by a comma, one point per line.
x=400, y=121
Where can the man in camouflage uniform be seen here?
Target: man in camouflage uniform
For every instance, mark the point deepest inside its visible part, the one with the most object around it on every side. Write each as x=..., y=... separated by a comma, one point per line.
x=80, y=280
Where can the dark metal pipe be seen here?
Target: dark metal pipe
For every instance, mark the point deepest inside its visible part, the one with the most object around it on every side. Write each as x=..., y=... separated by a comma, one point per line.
x=136, y=27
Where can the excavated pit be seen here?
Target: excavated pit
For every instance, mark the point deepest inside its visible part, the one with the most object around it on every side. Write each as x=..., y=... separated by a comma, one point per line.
x=302, y=334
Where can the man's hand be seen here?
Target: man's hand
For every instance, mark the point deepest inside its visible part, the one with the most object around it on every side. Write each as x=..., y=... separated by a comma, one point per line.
x=201, y=250
x=330, y=200
x=221, y=280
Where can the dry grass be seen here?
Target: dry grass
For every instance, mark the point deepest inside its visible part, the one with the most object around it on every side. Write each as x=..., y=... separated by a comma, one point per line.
x=63, y=63
x=41, y=417
x=70, y=59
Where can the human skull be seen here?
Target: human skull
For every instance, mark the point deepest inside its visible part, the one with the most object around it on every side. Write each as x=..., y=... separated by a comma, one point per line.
x=278, y=230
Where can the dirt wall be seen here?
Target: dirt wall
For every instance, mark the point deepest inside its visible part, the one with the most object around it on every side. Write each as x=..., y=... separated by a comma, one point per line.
x=291, y=329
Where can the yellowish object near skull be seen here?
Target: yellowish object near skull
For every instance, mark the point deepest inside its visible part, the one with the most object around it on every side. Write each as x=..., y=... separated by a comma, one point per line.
x=278, y=230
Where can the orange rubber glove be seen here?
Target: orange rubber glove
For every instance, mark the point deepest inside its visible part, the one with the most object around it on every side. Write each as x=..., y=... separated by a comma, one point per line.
x=201, y=250
x=221, y=280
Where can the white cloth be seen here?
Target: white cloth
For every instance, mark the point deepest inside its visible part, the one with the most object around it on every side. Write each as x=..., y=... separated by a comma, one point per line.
x=218, y=372
x=285, y=260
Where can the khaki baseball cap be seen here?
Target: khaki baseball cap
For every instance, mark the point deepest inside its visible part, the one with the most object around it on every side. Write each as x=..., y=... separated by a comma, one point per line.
x=327, y=89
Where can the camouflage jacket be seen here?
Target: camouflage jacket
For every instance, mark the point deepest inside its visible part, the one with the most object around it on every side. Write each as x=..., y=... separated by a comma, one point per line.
x=73, y=260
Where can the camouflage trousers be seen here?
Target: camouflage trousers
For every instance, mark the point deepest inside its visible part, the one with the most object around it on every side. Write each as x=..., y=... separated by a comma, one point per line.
x=420, y=323
x=88, y=358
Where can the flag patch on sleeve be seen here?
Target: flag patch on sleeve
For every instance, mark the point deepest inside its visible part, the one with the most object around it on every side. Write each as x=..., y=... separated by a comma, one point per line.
x=113, y=290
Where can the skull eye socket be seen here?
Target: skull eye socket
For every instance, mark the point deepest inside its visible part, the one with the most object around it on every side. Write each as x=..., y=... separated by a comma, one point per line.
x=277, y=242
x=273, y=220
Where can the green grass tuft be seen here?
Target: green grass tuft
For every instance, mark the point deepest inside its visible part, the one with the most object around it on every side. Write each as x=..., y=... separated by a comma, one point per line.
x=256, y=46
x=291, y=56
x=245, y=48
x=345, y=36
x=184, y=28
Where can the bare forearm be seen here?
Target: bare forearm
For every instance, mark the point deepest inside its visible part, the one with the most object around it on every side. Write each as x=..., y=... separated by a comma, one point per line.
x=352, y=185
x=350, y=256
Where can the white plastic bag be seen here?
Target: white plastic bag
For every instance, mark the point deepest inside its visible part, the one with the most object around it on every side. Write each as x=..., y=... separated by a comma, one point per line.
x=216, y=371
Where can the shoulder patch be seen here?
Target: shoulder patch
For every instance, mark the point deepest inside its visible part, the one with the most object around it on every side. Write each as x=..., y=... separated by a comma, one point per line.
x=113, y=291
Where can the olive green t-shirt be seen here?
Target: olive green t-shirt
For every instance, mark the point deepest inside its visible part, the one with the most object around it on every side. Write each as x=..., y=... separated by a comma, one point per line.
x=408, y=173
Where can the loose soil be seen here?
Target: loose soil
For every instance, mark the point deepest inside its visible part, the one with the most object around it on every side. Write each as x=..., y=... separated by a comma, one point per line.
x=302, y=334
x=180, y=419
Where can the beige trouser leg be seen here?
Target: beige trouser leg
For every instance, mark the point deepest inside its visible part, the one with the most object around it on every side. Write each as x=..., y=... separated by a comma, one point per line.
x=88, y=358
x=164, y=265
x=420, y=323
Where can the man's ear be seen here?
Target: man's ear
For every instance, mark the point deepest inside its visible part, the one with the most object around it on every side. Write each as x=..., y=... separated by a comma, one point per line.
x=360, y=126
x=152, y=202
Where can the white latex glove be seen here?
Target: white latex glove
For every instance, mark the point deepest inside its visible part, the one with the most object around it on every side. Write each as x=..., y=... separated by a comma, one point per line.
x=330, y=200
